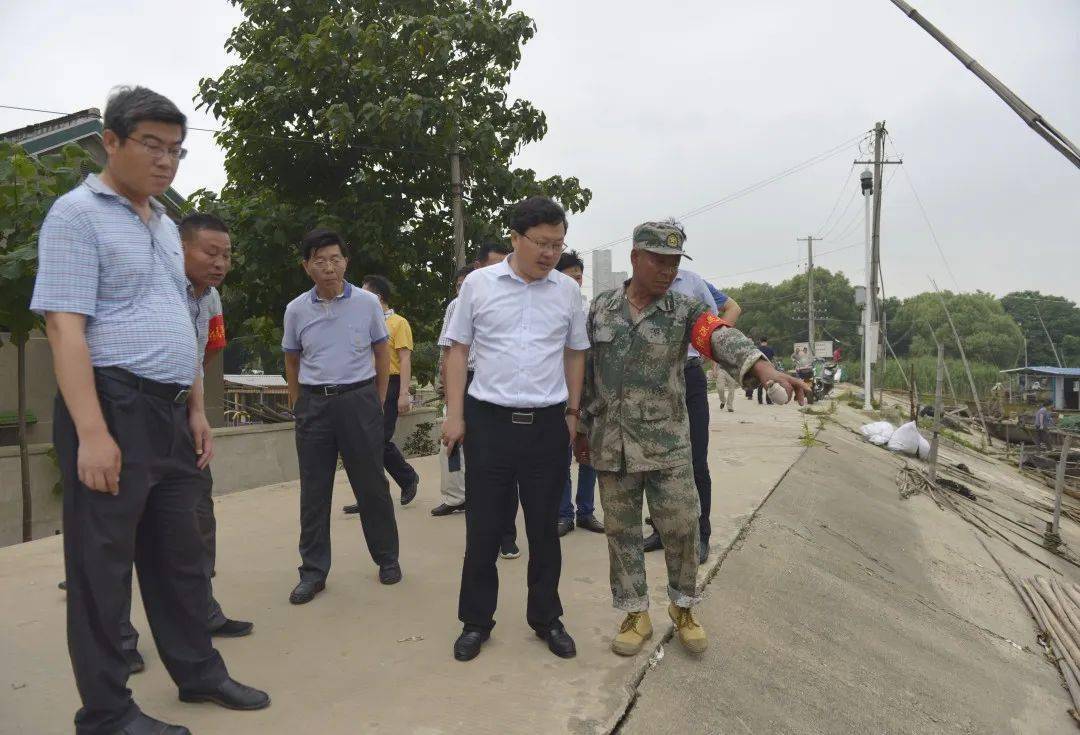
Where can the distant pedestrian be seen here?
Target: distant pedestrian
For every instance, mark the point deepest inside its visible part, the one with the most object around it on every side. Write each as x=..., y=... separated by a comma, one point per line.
x=572, y=265
x=130, y=427
x=337, y=364
x=451, y=465
x=1044, y=421
x=491, y=252
x=523, y=320
x=770, y=355
x=726, y=387
x=398, y=400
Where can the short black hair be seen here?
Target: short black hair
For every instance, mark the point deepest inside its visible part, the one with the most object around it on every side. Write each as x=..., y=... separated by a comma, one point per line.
x=196, y=221
x=380, y=285
x=321, y=237
x=536, y=210
x=570, y=259
x=492, y=246
x=762, y=339
x=463, y=271
x=129, y=106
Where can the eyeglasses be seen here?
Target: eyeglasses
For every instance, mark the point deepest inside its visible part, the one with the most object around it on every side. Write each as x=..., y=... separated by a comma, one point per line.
x=554, y=247
x=336, y=262
x=158, y=151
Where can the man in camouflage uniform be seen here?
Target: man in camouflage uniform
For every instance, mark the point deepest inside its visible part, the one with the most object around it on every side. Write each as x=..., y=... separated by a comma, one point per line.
x=634, y=427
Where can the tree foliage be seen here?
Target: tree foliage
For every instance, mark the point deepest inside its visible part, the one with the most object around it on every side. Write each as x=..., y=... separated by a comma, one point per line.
x=28, y=187
x=987, y=332
x=1062, y=318
x=344, y=113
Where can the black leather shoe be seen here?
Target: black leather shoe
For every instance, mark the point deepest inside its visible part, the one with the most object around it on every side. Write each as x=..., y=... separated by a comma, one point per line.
x=566, y=525
x=559, y=642
x=408, y=493
x=351, y=509
x=589, y=523
x=467, y=646
x=134, y=661
x=146, y=725
x=653, y=542
x=233, y=629
x=447, y=510
x=390, y=573
x=305, y=592
x=230, y=694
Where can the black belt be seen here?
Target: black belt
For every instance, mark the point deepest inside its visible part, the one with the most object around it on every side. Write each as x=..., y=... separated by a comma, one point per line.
x=333, y=390
x=521, y=416
x=172, y=392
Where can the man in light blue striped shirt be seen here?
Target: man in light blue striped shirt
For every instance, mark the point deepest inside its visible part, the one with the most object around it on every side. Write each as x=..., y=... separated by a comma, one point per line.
x=130, y=430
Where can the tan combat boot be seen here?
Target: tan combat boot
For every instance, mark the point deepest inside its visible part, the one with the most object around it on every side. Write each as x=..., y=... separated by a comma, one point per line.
x=691, y=634
x=634, y=631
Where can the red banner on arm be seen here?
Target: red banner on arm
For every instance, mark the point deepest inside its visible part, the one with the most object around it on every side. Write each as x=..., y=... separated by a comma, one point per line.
x=701, y=334
x=216, y=339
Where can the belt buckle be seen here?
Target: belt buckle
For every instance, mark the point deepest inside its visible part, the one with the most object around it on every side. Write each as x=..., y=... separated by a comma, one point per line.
x=330, y=390
x=522, y=418
x=181, y=396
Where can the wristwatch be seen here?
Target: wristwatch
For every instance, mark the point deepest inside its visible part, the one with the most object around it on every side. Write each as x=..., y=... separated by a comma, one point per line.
x=575, y=412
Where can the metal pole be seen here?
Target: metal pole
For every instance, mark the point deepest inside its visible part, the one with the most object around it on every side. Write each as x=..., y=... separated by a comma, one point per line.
x=868, y=317
x=1047, y=333
x=810, y=291
x=938, y=408
x=967, y=367
x=1059, y=486
x=459, y=212
x=1021, y=108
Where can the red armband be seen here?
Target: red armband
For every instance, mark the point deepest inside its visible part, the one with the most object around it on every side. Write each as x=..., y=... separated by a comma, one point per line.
x=216, y=337
x=701, y=334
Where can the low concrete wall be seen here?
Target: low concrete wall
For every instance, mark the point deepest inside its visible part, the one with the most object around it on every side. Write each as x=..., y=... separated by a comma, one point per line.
x=244, y=457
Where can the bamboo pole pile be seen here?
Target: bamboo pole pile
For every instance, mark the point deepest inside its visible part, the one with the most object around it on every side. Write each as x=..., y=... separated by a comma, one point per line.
x=1055, y=606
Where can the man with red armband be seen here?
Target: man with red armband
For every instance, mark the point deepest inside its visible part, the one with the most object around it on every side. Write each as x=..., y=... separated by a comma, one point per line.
x=634, y=429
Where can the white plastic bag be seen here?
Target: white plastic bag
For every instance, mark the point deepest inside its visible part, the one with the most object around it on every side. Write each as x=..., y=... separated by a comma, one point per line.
x=878, y=432
x=908, y=440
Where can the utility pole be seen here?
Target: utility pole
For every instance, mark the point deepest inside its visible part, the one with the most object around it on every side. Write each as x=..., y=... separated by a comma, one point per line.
x=810, y=290
x=938, y=407
x=459, y=211
x=870, y=344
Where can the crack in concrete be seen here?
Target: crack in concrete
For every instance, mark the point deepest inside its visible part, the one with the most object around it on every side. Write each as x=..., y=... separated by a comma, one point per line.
x=735, y=545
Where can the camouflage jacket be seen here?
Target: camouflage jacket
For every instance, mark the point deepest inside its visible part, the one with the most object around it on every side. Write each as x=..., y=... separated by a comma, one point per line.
x=634, y=403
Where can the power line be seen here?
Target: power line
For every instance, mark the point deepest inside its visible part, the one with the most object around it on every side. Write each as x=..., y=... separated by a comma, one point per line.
x=839, y=196
x=286, y=138
x=747, y=189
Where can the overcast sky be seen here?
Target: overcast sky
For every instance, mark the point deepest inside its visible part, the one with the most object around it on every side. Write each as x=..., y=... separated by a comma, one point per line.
x=661, y=108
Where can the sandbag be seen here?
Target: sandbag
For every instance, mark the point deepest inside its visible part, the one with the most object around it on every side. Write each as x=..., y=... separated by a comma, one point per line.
x=878, y=432
x=908, y=440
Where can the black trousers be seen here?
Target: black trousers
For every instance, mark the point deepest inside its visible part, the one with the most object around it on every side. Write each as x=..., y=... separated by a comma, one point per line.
x=151, y=523
x=505, y=460
x=697, y=409
x=510, y=534
x=206, y=524
x=349, y=424
x=393, y=460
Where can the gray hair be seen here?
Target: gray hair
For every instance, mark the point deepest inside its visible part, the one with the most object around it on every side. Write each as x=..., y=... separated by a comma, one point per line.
x=128, y=106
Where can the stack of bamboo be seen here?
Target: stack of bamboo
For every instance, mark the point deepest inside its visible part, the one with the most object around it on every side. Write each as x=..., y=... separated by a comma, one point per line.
x=1056, y=608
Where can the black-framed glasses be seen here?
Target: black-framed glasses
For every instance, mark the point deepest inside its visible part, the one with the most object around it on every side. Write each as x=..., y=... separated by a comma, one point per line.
x=158, y=151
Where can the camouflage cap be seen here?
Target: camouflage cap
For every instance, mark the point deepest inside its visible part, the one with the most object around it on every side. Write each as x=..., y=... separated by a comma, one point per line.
x=660, y=237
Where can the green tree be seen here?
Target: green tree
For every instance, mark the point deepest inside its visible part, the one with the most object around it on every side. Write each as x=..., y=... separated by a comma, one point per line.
x=1062, y=318
x=779, y=311
x=344, y=113
x=28, y=187
x=988, y=333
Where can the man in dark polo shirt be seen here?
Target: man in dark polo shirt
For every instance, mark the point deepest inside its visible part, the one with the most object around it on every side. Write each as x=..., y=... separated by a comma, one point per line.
x=130, y=430
x=337, y=364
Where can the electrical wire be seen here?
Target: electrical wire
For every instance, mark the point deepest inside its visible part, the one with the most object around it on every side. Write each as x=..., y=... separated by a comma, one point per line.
x=839, y=196
x=747, y=189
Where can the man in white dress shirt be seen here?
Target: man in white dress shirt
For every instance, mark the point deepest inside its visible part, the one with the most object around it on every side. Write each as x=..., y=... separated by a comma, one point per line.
x=523, y=322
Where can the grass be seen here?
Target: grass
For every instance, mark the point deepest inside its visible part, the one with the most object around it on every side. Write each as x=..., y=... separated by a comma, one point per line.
x=925, y=371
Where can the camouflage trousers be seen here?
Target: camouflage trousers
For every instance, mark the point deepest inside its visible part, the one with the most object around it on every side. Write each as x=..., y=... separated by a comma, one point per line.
x=674, y=508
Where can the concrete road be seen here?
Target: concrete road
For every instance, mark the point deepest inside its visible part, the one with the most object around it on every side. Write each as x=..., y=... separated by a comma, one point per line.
x=373, y=659
x=845, y=609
